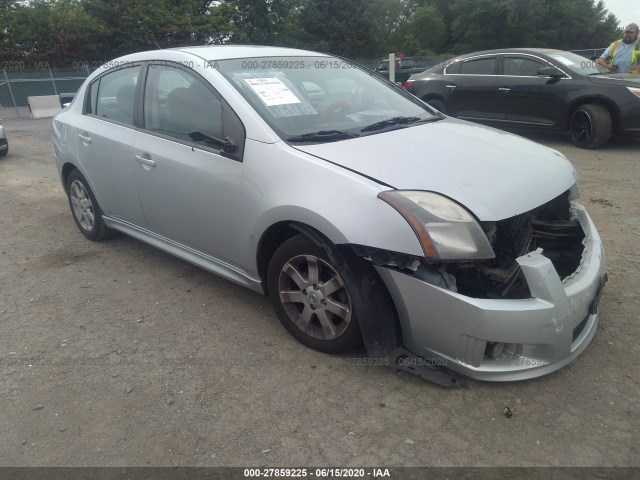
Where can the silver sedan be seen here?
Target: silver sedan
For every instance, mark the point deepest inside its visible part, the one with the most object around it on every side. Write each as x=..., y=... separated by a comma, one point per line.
x=445, y=247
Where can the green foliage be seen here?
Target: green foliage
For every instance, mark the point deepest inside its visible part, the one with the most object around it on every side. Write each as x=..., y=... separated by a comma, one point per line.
x=341, y=27
x=66, y=32
x=426, y=29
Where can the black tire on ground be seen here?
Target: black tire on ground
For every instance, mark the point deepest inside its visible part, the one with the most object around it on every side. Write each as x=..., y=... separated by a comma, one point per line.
x=4, y=152
x=590, y=126
x=316, y=301
x=438, y=105
x=85, y=209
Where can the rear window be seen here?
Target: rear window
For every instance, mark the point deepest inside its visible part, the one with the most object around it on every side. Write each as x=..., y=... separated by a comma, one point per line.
x=478, y=66
x=112, y=95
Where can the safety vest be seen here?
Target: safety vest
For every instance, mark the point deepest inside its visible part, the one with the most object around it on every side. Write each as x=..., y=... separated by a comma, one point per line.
x=615, y=46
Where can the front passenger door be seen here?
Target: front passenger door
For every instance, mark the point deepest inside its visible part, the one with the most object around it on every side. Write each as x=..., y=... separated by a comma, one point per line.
x=190, y=184
x=526, y=98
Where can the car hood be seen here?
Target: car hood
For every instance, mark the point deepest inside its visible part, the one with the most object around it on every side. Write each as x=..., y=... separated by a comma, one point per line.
x=623, y=79
x=494, y=174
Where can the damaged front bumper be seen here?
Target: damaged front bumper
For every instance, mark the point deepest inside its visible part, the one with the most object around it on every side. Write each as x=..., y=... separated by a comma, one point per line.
x=505, y=339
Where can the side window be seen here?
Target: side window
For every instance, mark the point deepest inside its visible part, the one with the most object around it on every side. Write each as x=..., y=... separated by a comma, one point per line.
x=178, y=104
x=112, y=96
x=453, y=69
x=521, y=66
x=479, y=66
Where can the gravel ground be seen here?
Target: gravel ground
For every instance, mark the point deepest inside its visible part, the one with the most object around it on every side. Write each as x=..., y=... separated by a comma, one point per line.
x=116, y=354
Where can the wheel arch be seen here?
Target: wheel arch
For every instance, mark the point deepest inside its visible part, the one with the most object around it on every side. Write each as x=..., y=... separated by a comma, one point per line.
x=279, y=232
x=269, y=242
x=380, y=326
x=610, y=106
x=67, y=168
x=432, y=96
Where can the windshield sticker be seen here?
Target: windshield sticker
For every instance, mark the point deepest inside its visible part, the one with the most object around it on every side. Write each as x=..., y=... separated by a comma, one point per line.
x=272, y=91
x=563, y=60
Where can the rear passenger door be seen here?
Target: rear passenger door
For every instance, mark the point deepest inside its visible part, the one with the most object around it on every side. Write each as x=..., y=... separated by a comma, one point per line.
x=528, y=99
x=105, y=141
x=471, y=89
x=190, y=184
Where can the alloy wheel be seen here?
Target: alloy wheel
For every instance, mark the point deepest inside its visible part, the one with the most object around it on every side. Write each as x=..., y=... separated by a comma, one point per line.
x=82, y=206
x=314, y=297
x=581, y=127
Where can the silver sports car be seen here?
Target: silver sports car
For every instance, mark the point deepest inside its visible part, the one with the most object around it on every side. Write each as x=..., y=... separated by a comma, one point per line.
x=445, y=247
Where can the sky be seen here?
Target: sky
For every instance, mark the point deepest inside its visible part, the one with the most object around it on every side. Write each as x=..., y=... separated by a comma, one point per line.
x=627, y=11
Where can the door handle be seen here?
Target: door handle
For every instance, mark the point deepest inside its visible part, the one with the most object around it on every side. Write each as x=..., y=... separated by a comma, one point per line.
x=504, y=90
x=451, y=86
x=84, y=138
x=144, y=161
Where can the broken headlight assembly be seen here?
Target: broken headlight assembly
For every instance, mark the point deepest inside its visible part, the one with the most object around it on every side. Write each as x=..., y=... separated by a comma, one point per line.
x=445, y=229
x=480, y=259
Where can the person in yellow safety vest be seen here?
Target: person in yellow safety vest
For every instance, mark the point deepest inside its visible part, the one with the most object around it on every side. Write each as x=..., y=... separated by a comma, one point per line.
x=623, y=55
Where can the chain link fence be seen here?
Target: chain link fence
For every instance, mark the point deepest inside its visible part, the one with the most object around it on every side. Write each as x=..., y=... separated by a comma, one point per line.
x=17, y=85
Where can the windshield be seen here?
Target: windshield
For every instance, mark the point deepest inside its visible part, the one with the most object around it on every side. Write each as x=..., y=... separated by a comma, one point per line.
x=321, y=98
x=578, y=64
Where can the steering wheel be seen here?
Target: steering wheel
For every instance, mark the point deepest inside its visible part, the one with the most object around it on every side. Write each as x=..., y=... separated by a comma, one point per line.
x=332, y=109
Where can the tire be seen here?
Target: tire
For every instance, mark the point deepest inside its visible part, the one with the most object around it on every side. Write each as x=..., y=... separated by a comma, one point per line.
x=314, y=299
x=85, y=209
x=438, y=105
x=3, y=153
x=590, y=126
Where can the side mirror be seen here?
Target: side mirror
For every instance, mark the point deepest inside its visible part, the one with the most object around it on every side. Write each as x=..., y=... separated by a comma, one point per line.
x=550, y=72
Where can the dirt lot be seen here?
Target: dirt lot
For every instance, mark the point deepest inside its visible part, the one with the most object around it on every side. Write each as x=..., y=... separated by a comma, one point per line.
x=116, y=354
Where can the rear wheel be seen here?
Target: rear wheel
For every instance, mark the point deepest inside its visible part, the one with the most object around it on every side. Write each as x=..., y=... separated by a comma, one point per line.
x=85, y=209
x=438, y=105
x=590, y=126
x=313, y=297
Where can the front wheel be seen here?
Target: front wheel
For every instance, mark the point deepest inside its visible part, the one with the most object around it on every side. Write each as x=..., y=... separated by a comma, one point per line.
x=312, y=297
x=590, y=126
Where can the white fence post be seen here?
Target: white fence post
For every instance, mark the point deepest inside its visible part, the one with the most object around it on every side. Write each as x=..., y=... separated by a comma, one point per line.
x=392, y=67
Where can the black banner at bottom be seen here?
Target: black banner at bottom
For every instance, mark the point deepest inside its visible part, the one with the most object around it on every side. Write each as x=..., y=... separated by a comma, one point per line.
x=236, y=473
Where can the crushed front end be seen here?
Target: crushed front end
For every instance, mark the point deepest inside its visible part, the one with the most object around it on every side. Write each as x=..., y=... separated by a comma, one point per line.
x=527, y=312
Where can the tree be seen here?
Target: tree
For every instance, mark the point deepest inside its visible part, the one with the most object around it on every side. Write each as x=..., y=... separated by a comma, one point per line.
x=63, y=32
x=341, y=27
x=426, y=31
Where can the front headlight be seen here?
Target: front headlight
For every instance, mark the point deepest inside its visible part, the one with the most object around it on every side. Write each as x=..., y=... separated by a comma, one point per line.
x=445, y=229
x=635, y=91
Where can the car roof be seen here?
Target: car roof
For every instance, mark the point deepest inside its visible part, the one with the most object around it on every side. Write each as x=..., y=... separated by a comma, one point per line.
x=512, y=50
x=224, y=52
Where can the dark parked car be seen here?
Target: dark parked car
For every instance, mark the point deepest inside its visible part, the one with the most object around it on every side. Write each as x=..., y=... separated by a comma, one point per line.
x=405, y=67
x=540, y=88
